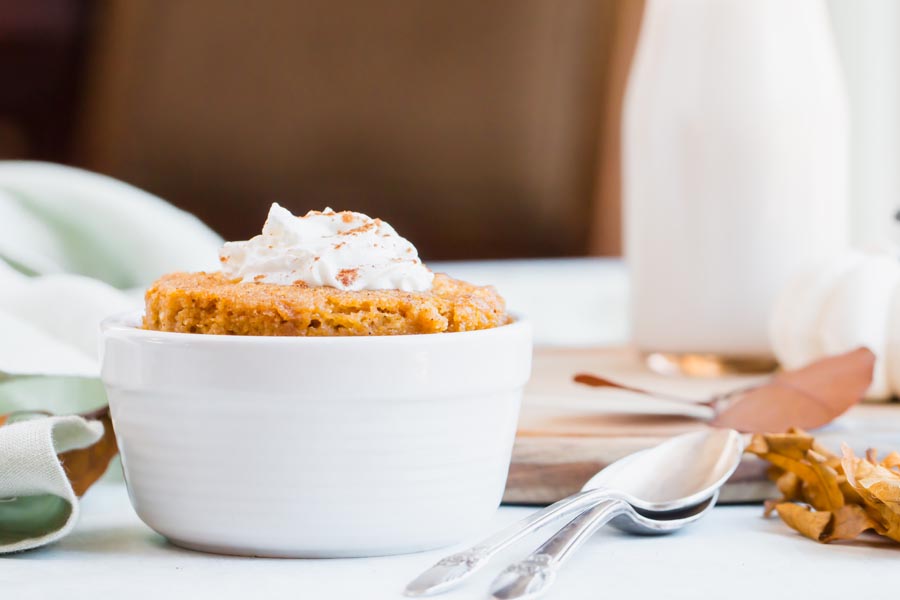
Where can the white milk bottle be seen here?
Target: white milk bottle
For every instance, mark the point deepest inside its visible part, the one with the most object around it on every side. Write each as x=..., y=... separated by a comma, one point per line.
x=735, y=134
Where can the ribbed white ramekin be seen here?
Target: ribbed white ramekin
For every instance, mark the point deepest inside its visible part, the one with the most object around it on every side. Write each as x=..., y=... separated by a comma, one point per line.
x=320, y=447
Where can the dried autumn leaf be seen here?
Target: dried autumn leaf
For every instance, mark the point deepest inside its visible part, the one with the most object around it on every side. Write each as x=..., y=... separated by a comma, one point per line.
x=840, y=498
x=793, y=444
x=808, y=397
x=824, y=493
x=891, y=461
x=848, y=522
x=825, y=526
x=800, y=468
x=804, y=520
x=851, y=496
x=886, y=491
x=789, y=485
x=791, y=453
x=879, y=488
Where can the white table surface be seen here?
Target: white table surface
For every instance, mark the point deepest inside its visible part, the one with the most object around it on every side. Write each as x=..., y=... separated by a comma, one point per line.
x=733, y=553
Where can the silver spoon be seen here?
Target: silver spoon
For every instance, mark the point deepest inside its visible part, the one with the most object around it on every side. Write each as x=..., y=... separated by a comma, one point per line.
x=677, y=474
x=532, y=576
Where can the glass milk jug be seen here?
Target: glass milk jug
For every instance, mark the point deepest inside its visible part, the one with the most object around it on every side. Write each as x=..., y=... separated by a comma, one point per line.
x=734, y=172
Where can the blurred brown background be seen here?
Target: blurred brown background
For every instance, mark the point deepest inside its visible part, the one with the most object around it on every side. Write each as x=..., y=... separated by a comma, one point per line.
x=478, y=128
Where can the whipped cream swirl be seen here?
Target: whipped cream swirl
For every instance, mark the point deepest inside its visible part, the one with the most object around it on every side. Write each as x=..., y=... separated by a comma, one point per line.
x=344, y=250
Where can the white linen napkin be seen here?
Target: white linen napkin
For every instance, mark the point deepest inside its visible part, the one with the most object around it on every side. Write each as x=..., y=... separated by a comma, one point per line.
x=75, y=247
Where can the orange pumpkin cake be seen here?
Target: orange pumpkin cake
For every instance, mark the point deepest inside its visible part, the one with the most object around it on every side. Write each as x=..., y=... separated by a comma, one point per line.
x=209, y=303
x=324, y=274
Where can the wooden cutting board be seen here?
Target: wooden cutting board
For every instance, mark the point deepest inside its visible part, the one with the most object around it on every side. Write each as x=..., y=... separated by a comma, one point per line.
x=568, y=432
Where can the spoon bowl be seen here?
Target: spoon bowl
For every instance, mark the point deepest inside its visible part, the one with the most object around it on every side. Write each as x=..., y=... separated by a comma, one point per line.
x=633, y=522
x=676, y=474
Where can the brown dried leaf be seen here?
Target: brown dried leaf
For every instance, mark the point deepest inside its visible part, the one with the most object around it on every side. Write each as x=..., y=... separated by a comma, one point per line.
x=851, y=496
x=840, y=500
x=825, y=526
x=809, y=397
x=887, y=491
x=798, y=467
x=879, y=488
x=789, y=485
x=848, y=522
x=803, y=519
x=891, y=461
x=824, y=493
x=758, y=445
x=821, y=488
x=791, y=445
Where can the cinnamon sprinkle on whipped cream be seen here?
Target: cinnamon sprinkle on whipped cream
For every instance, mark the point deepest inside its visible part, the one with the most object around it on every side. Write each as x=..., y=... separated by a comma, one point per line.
x=344, y=250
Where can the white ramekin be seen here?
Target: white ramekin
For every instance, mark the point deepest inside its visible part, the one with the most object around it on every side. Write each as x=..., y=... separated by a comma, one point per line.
x=318, y=447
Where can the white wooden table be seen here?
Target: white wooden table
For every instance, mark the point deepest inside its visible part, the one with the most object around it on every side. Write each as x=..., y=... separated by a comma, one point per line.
x=734, y=552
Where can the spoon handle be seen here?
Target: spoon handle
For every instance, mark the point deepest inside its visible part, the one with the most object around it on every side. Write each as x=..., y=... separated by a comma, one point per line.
x=452, y=570
x=532, y=576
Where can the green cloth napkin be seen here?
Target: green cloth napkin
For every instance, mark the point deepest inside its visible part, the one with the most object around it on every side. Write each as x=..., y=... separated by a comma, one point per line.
x=39, y=505
x=75, y=247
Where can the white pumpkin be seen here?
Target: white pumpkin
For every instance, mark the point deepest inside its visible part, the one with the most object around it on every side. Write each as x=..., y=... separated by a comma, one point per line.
x=842, y=303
